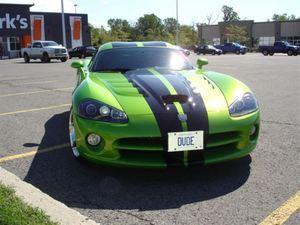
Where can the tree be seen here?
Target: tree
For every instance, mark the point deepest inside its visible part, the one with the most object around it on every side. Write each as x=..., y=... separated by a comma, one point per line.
x=149, y=27
x=210, y=19
x=120, y=29
x=236, y=34
x=188, y=36
x=98, y=35
x=229, y=14
x=171, y=25
x=283, y=17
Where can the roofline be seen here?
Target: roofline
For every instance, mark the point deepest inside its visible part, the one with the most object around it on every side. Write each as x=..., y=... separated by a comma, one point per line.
x=40, y=12
x=14, y=4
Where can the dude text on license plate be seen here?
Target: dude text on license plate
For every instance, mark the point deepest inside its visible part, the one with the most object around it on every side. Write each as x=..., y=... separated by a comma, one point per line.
x=185, y=141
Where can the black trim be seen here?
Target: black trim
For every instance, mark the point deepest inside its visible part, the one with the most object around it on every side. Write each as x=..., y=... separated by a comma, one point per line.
x=197, y=118
x=152, y=88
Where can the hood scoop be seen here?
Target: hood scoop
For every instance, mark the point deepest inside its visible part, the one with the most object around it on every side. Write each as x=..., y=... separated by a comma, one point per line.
x=170, y=99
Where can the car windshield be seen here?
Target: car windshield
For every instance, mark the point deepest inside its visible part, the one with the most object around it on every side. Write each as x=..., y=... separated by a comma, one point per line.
x=123, y=59
x=49, y=43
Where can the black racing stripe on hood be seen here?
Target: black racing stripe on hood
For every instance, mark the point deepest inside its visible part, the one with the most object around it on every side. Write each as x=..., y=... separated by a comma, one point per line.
x=167, y=120
x=197, y=118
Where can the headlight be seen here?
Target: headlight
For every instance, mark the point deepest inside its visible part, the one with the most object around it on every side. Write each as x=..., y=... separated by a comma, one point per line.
x=244, y=105
x=92, y=109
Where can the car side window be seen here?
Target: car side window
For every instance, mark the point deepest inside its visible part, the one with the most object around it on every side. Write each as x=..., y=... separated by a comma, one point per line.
x=37, y=45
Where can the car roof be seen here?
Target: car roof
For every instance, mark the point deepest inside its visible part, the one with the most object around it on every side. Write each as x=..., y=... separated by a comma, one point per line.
x=112, y=45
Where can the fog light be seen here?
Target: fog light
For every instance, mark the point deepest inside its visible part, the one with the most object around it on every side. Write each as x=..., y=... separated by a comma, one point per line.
x=252, y=130
x=93, y=139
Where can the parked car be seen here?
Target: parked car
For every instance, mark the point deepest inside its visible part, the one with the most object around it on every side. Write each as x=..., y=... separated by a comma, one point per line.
x=185, y=51
x=207, y=49
x=82, y=52
x=280, y=47
x=144, y=104
x=232, y=47
x=45, y=51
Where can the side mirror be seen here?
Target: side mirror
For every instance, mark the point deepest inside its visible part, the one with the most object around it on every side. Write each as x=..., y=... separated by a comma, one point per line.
x=201, y=62
x=77, y=64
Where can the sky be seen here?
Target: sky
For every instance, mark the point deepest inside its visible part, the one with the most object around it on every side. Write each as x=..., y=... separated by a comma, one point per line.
x=190, y=11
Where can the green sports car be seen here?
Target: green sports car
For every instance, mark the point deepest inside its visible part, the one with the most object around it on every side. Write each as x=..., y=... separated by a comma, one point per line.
x=143, y=104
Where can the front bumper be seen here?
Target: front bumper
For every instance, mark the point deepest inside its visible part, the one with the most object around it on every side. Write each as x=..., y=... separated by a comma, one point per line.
x=58, y=55
x=131, y=146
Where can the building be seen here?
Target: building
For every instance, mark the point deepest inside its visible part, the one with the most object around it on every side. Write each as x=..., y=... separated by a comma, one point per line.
x=259, y=33
x=19, y=27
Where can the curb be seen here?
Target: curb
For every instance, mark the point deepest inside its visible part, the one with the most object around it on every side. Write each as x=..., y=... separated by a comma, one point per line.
x=34, y=197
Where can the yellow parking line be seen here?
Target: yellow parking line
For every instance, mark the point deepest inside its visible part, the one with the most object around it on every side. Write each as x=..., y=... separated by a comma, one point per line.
x=33, y=110
x=280, y=215
x=35, y=92
x=36, y=151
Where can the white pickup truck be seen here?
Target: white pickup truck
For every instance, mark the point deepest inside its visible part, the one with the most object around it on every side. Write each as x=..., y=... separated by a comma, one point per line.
x=45, y=51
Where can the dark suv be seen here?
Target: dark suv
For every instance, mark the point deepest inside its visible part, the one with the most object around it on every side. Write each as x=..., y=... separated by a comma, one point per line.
x=82, y=52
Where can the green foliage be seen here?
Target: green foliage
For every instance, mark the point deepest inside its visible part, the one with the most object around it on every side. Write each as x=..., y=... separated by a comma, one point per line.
x=236, y=34
x=148, y=28
x=187, y=36
x=14, y=212
x=229, y=14
x=171, y=25
x=120, y=29
x=283, y=17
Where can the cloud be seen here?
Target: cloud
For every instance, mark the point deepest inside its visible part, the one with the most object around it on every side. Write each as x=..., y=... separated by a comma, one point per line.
x=45, y=5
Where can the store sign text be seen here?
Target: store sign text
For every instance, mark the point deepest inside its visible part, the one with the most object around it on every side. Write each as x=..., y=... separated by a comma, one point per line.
x=9, y=22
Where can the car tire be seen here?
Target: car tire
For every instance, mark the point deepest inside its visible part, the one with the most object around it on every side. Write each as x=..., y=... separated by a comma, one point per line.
x=295, y=53
x=63, y=59
x=213, y=53
x=237, y=52
x=243, y=53
x=198, y=53
x=265, y=52
x=46, y=58
x=219, y=53
x=26, y=58
x=271, y=53
x=290, y=52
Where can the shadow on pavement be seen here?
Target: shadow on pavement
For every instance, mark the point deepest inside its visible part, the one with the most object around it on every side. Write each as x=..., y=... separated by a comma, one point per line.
x=83, y=185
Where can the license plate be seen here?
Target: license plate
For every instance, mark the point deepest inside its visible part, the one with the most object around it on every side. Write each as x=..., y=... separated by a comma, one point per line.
x=185, y=141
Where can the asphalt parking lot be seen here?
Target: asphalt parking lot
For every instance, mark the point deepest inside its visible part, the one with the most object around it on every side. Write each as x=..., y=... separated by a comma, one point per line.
x=34, y=107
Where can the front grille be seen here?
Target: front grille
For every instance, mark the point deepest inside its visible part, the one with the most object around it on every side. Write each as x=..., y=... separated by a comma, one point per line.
x=141, y=144
x=152, y=149
x=159, y=143
x=60, y=51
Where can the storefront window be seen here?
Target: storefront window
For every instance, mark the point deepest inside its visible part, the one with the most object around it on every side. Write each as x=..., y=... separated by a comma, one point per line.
x=14, y=43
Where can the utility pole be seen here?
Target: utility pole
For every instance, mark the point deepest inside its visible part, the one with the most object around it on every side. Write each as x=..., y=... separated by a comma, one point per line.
x=63, y=23
x=177, y=26
x=75, y=6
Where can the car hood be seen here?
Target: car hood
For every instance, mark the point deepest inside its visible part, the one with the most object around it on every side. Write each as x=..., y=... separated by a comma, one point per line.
x=158, y=90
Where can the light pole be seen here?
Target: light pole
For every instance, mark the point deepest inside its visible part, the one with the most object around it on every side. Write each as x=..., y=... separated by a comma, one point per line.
x=75, y=6
x=177, y=25
x=63, y=23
